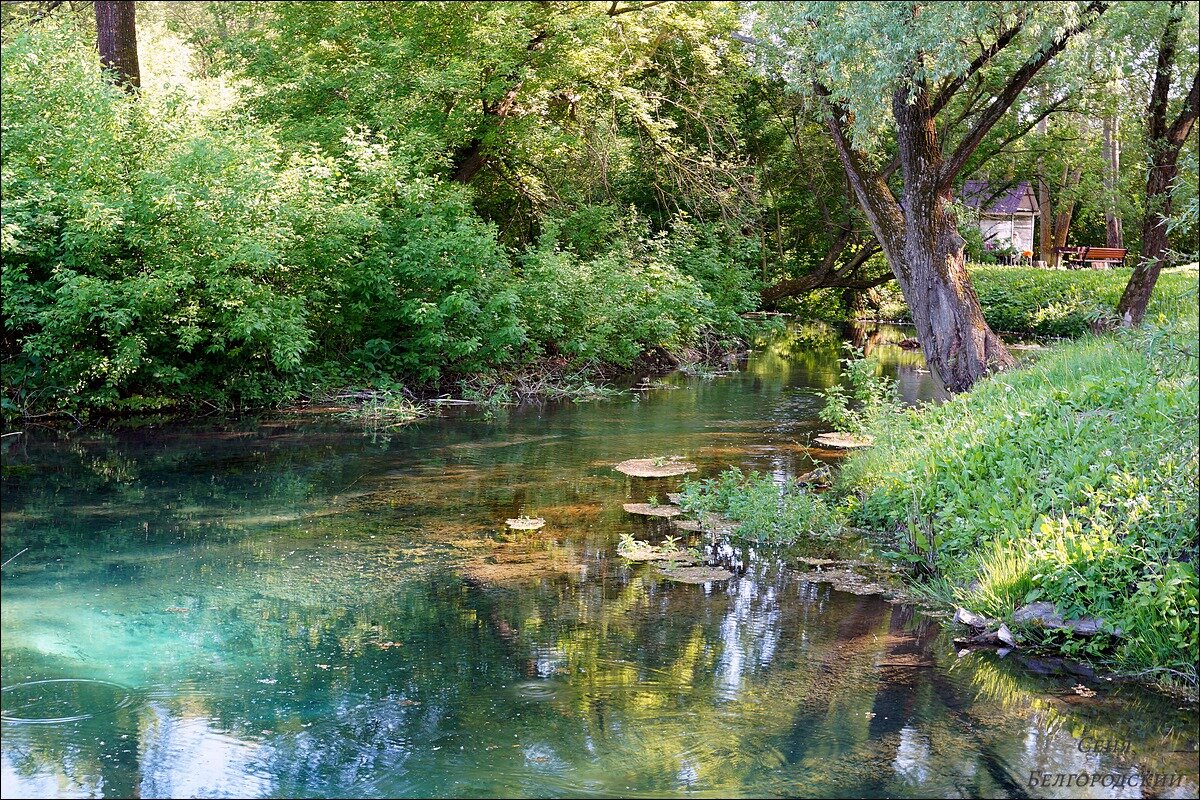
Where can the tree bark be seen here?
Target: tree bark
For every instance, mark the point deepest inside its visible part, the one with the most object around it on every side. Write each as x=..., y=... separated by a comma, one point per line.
x=1114, y=237
x=1045, y=214
x=116, y=39
x=1165, y=144
x=1062, y=216
x=923, y=246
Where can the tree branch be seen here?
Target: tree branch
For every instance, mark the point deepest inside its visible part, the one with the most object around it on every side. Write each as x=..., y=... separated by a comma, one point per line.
x=1182, y=125
x=949, y=90
x=614, y=11
x=1012, y=90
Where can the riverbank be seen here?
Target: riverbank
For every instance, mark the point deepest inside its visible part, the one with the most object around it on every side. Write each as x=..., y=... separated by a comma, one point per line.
x=1059, y=499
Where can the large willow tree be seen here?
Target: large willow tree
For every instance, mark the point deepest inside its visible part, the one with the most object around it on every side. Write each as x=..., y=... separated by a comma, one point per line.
x=908, y=92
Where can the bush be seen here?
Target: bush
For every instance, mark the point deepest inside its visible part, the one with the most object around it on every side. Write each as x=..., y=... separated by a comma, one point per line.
x=767, y=512
x=662, y=291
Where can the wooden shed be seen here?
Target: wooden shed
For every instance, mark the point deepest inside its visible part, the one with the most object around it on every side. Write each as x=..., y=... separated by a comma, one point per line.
x=1006, y=213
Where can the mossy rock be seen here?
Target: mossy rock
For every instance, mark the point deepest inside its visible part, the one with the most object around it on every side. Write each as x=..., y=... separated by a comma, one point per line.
x=647, y=510
x=642, y=551
x=525, y=523
x=696, y=574
x=655, y=467
x=844, y=441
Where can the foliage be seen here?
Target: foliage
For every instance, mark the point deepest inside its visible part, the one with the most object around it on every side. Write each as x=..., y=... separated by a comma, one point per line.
x=767, y=512
x=161, y=249
x=650, y=292
x=871, y=396
x=1066, y=303
x=1072, y=480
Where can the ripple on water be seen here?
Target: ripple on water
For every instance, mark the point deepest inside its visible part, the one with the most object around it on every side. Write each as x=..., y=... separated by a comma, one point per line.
x=61, y=700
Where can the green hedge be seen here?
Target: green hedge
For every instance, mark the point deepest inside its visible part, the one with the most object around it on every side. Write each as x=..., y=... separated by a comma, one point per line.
x=1068, y=303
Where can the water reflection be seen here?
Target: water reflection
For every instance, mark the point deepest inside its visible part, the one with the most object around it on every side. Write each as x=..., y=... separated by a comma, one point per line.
x=299, y=609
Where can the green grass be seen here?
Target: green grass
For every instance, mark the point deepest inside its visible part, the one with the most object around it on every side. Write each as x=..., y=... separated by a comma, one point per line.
x=1066, y=303
x=1072, y=480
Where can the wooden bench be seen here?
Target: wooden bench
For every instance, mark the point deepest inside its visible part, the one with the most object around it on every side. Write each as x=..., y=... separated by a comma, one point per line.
x=1078, y=256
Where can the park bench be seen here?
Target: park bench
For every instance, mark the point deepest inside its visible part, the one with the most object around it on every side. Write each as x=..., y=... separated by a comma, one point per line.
x=1078, y=256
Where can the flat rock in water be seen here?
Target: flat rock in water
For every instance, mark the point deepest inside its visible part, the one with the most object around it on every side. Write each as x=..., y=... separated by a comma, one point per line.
x=647, y=510
x=843, y=441
x=525, y=523
x=645, y=552
x=696, y=574
x=687, y=525
x=655, y=467
x=972, y=620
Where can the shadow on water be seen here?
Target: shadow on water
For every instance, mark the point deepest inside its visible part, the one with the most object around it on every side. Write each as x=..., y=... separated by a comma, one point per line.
x=291, y=607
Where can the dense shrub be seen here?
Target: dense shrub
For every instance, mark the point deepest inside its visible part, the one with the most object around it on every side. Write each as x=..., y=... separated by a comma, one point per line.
x=159, y=253
x=609, y=301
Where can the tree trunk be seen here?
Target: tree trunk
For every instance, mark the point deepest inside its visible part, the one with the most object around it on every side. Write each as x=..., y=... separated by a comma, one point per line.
x=1062, y=218
x=1112, y=170
x=116, y=39
x=957, y=342
x=1045, y=218
x=1136, y=297
x=1165, y=144
x=928, y=256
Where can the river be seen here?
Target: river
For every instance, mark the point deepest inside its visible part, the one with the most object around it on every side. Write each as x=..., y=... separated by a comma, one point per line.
x=296, y=605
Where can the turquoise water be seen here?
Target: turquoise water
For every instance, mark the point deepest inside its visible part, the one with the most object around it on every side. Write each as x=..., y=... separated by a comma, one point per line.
x=294, y=606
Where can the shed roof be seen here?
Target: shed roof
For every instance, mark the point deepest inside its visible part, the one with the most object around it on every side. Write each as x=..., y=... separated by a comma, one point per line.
x=1003, y=201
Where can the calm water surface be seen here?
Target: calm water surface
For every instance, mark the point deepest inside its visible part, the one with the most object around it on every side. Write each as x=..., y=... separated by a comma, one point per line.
x=297, y=607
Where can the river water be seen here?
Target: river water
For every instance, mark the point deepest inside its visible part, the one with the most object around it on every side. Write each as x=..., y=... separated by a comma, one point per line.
x=298, y=606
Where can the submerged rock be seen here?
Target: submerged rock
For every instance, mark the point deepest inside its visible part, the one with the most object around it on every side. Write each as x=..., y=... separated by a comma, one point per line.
x=696, y=574
x=647, y=510
x=525, y=523
x=643, y=551
x=844, y=441
x=665, y=467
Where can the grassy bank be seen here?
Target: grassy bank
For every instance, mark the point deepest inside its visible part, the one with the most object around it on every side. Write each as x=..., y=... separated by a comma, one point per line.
x=1067, y=303
x=1072, y=480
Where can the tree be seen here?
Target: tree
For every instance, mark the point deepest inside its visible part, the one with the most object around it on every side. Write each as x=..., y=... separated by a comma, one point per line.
x=1114, y=235
x=116, y=39
x=1165, y=142
x=913, y=90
